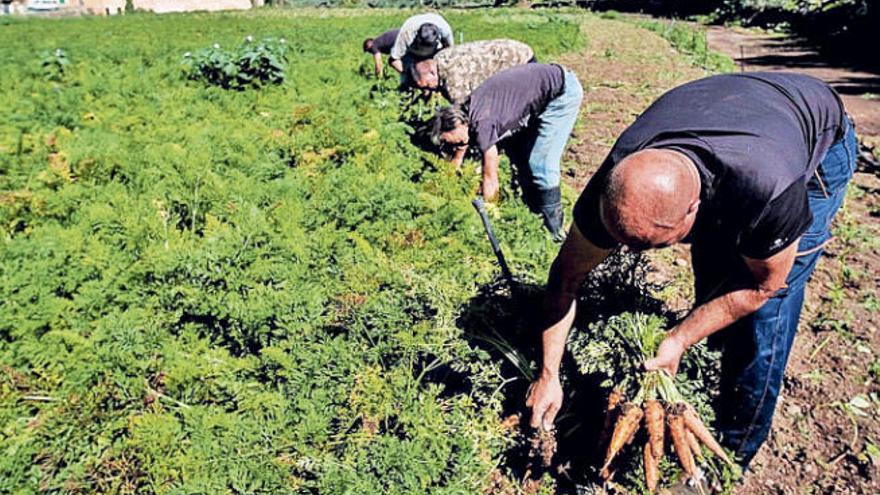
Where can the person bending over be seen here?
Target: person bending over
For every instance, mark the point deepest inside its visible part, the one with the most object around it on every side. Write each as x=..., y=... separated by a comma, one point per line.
x=380, y=45
x=457, y=71
x=532, y=108
x=420, y=37
x=749, y=169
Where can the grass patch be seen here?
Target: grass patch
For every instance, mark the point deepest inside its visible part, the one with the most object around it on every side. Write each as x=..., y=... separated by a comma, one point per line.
x=691, y=41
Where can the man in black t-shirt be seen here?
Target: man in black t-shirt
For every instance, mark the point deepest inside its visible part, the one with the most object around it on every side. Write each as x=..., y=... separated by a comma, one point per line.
x=379, y=45
x=750, y=169
x=535, y=106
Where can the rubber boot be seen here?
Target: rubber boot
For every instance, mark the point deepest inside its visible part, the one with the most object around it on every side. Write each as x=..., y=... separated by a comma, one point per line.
x=549, y=205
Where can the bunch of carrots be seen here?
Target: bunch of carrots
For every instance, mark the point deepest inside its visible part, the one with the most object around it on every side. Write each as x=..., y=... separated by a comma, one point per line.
x=660, y=408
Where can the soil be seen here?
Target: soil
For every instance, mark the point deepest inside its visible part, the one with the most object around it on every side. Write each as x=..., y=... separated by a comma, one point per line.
x=761, y=51
x=826, y=433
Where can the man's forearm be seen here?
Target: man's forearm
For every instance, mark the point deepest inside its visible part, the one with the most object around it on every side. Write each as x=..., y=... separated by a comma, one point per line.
x=377, y=59
x=560, y=307
x=562, y=289
x=490, y=164
x=576, y=259
x=769, y=276
x=553, y=342
x=458, y=155
x=717, y=314
x=397, y=64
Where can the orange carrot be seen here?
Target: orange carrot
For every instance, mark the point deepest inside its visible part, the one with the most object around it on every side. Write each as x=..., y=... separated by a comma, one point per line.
x=694, y=444
x=614, y=400
x=624, y=431
x=677, y=433
x=692, y=422
x=654, y=425
x=652, y=468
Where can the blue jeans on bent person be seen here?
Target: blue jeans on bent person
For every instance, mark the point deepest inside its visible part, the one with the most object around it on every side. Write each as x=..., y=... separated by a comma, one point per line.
x=553, y=130
x=755, y=350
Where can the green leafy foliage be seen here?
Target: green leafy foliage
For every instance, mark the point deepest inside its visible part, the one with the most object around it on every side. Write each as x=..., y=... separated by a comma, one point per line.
x=210, y=291
x=832, y=26
x=617, y=348
x=251, y=65
x=53, y=64
x=691, y=41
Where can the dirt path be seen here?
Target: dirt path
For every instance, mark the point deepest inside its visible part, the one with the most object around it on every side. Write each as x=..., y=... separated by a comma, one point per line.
x=826, y=435
x=755, y=51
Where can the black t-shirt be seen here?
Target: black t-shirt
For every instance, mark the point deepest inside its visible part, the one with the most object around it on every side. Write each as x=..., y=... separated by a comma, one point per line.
x=756, y=139
x=384, y=42
x=505, y=102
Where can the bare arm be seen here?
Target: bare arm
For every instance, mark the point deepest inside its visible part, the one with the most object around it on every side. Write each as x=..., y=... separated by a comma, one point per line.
x=490, y=173
x=458, y=156
x=724, y=310
x=377, y=61
x=397, y=64
x=577, y=257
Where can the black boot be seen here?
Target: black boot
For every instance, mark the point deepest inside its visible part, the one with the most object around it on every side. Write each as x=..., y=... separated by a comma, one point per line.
x=549, y=205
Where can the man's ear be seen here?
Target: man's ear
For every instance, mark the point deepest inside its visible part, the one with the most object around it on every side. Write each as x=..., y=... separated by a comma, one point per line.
x=692, y=209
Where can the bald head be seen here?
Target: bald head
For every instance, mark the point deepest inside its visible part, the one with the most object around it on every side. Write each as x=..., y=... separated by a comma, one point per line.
x=651, y=198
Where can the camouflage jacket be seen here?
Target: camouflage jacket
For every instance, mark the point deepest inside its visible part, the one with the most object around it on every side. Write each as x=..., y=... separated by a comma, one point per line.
x=462, y=68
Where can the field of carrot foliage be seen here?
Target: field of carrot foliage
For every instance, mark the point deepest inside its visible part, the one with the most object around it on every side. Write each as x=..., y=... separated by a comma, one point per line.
x=209, y=290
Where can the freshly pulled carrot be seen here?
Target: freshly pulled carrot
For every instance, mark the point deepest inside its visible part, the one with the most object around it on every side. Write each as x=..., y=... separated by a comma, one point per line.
x=614, y=400
x=652, y=468
x=624, y=431
x=692, y=422
x=654, y=425
x=678, y=433
x=694, y=444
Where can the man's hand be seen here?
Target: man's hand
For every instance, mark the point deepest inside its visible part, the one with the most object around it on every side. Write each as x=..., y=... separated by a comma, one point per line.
x=545, y=399
x=668, y=355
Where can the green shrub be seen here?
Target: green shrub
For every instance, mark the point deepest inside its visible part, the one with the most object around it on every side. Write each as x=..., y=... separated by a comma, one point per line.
x=610, y=14
x=250, y=65
x=53, y=64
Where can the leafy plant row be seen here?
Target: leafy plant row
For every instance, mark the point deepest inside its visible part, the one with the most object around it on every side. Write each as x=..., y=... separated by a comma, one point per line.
x=210, y=291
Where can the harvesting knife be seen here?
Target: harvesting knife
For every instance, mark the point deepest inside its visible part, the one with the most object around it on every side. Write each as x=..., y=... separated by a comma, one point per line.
x=496, y=248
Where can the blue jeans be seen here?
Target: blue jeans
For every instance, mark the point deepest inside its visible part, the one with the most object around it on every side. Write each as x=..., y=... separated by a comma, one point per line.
x=554, y=128
x=755, y=349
